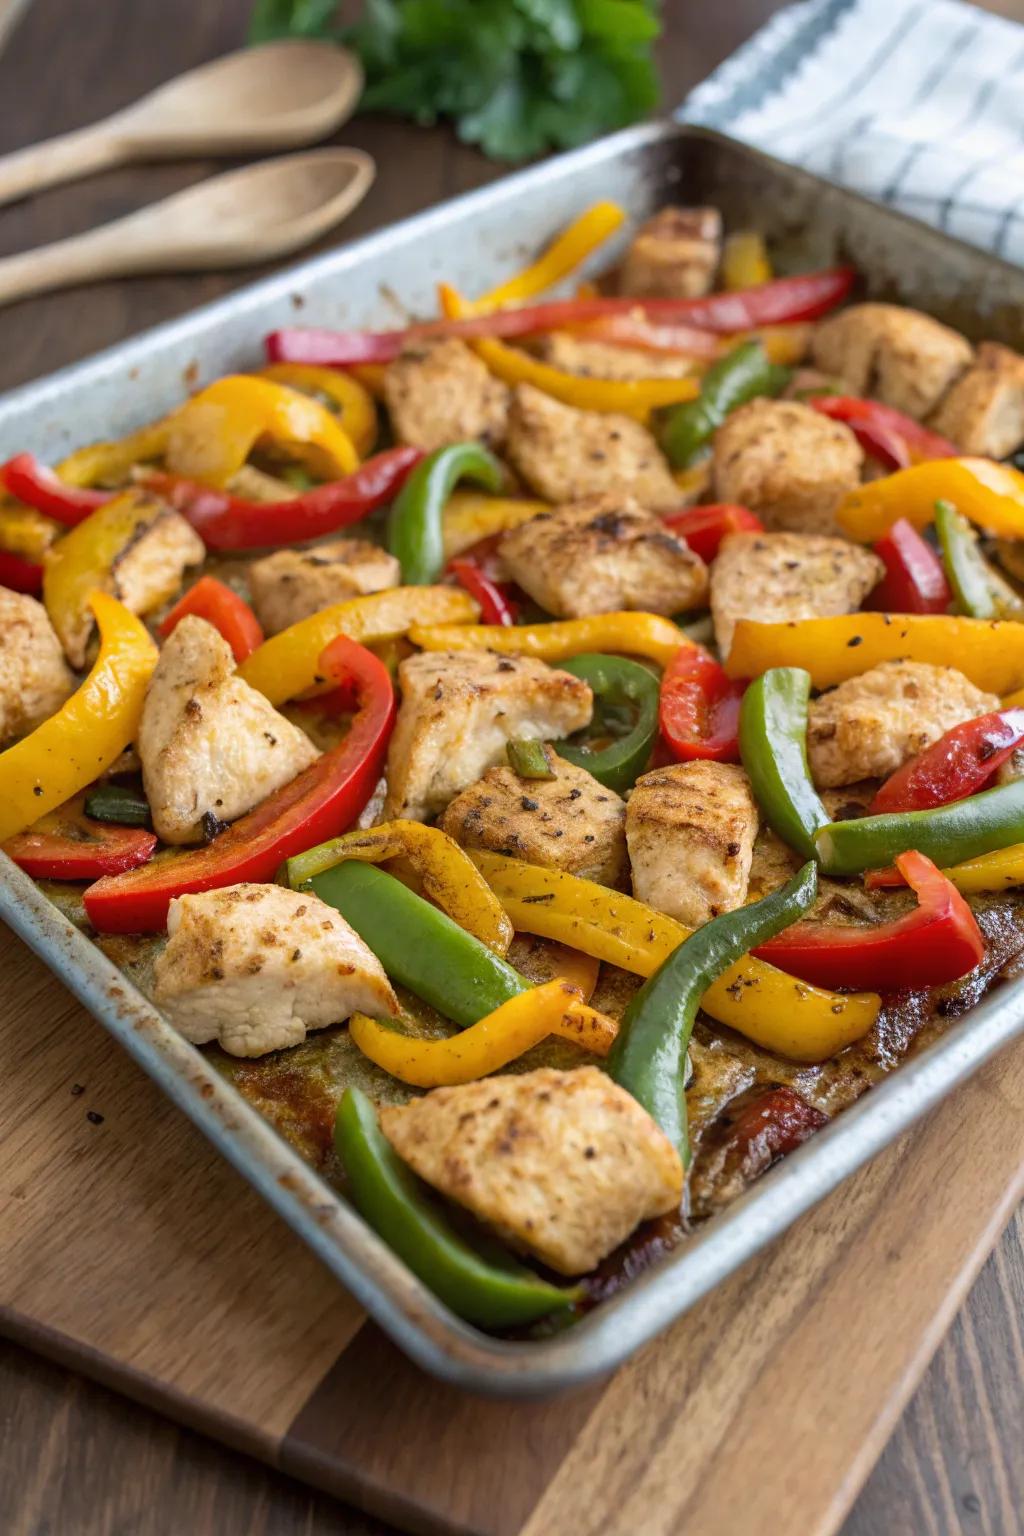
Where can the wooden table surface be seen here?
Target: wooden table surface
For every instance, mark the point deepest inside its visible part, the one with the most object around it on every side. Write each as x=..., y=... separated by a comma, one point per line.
x=75, y=1458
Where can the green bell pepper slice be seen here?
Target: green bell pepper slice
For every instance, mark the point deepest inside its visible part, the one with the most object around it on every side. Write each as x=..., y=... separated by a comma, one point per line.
x=947, y=834
x=979, y=590
x=492, y=1290
x=415, y=527
x=773, y=748
x=621, y=689
x=117, y=804
x=649, y=1055
x=742, y=375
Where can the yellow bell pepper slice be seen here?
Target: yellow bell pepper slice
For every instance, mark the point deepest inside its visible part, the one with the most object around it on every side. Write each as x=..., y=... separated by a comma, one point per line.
x=89, y=732
x=745, y=261
x=449, y=877
x=555, y=1008
x=785, y=344
x=776, y=1011
x=988, y=651
x=990, y=871
x=112, y=463
x=470, y=516
x=86, y=558
x=212, y=435
x=564, y=255
x=26, y=532
x=629, y=397
x=990, y=494
x=630, y=634
x=285, y=665
x=349, y=400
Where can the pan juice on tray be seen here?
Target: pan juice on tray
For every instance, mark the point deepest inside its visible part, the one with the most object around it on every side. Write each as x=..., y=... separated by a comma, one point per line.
x=357, y=709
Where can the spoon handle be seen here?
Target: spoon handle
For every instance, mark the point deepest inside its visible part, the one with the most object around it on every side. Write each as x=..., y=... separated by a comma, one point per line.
x=113, y=250
x=65, y=158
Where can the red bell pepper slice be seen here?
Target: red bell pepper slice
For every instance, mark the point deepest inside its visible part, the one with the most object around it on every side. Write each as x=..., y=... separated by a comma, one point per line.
x=774, y=303
x=230, y=614
x=957, y=765
x=915, y=579
x=496, y=606
x=72, y=846
x=704, y=528
x=700, y=708
x=18, y=574
x=38, y=487
x=893, y=438
x=322, y=802
x=226, y=522
x=637, y=330
x=939, y=941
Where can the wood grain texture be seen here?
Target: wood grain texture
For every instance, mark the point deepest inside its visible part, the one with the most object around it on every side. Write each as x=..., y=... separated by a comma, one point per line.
x=74, y=1457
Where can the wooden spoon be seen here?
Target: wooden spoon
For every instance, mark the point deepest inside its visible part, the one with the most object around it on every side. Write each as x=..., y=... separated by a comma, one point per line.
x=235, y=220
x=279, y=96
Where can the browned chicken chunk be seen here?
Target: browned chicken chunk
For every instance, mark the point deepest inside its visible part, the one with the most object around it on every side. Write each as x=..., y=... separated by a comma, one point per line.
x=983, y=413
x=293, y=583
x=604, y=360
x=787, y=463
x=439, y=392
x=569, y=822
x=893, y=354
x=775, y=576
x=210, y=745
x=459, y=711
x=690, y=830
x=565, y=454
x=674, y=255
x=601, y=555
x=34, y=677
x=561, y=1164
x=872, y=724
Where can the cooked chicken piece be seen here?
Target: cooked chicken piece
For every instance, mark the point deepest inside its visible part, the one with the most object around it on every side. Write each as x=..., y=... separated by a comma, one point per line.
x=774, y=576
x=786, y=463
x=983, y=413
x=439, y=392
x=690, y=830
x=569, y=822
x=565, y=454
x=561, y=1164
x=870, y=725
x=256, y=966
x=459, y=711
x=211, y=746
x=34, y=677
x=293, y=583
x=893, y=354
x=603, y=554
x=605, y=360
x=674, y=255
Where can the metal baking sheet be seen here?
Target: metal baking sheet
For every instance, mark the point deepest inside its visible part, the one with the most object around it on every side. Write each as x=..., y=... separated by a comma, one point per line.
x=473, y=242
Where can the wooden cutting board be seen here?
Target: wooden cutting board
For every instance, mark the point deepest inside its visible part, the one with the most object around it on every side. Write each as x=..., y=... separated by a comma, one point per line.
x=130, y=1251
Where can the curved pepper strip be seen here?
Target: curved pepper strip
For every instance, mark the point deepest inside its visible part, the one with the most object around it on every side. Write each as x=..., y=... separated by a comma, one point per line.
x=66, y=844
x=319, y=803
x=25, y=533
x=89, y=732
x=85, y=558
x=990, y=494
x=979, y=590
x=415, y=535
x=989, y=872
x=489, y=1044
x=229, y=614
x=742, y=375
x=699, y=709
x=493, y=1292
x=990, y=653
x=471, y=517
x=648, y=1058
x=947, y=834
x=286, y=664
x=799, y=1022
x=631, y=634
x=350, y=401
x=111, y=463
x=34, y=485
x=773, y=747
x=915, y=578
x=705, y=527
x=881, y=430
x=497, y=606
x=450, y=879
x=212, y=435
x=567, y=252
x=618, y=683
x=960, y=763
x=938, y=942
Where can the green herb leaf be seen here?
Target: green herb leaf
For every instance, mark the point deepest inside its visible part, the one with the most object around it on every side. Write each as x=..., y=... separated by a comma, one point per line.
x=292, y=18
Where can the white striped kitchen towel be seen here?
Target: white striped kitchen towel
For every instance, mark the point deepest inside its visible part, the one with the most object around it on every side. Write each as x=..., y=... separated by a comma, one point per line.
x=918, y=103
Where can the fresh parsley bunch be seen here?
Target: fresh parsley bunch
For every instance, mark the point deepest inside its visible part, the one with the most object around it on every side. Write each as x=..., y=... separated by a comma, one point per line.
x=517, y=76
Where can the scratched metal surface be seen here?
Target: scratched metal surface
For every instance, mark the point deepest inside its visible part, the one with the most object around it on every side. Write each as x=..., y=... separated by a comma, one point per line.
x=473, y=241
